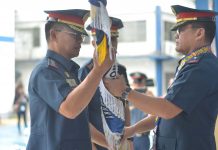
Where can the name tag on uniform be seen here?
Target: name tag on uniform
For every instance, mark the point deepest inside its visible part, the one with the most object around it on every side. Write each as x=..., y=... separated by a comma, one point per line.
x=71, y=82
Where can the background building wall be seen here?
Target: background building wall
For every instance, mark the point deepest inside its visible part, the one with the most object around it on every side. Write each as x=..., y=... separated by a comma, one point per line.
x=7, y=62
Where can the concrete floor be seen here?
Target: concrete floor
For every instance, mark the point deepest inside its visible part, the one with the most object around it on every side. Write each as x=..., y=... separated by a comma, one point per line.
x=10, y=139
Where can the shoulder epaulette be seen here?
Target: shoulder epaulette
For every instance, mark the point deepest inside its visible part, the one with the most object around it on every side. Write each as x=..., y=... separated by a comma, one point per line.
x=52, y=63
x=194, y=60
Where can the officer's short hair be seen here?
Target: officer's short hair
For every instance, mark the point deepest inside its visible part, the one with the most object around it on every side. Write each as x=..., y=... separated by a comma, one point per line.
x=209, y=27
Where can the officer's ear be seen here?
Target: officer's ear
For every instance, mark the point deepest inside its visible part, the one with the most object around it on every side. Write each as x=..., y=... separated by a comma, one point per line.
x=52, y=34
x=200, y=33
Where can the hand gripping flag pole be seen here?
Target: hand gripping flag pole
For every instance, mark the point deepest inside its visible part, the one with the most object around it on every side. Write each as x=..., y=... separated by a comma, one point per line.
x=112, y=109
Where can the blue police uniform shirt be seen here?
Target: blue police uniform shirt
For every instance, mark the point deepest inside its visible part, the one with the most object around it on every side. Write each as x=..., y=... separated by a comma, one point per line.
x=50, y=82
x=195, y=91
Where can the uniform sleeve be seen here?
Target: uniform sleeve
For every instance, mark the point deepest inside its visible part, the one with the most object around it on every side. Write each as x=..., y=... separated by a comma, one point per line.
x=52, y=88
x=190, y=87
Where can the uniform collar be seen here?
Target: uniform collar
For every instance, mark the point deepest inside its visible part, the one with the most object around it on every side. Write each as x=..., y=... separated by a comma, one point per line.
x=68, y=64
x=193, y=51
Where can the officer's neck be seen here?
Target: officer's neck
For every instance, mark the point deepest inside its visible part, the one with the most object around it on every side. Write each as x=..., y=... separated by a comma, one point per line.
x=197, y=46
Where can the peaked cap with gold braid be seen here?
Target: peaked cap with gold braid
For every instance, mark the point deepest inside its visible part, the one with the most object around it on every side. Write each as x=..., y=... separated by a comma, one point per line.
x=185, y=15
x=116, y=24
x=74, y=18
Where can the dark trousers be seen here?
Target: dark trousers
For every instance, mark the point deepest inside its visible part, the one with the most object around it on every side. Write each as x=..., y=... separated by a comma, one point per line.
x=19, y=115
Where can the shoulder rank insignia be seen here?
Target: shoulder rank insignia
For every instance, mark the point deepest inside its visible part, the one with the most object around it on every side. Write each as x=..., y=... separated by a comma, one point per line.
x=52, y=63
x=71, y=82
x=67, y=74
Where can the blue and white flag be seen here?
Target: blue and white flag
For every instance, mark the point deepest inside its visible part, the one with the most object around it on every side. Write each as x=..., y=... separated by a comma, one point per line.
x=112, y=109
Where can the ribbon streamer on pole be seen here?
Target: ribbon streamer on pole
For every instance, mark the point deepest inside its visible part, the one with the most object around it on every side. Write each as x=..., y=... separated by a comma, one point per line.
x=112, y=109
x=101, y=24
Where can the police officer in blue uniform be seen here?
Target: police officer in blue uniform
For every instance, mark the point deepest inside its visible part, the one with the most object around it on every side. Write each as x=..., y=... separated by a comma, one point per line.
x=59, y=119
x=187, y=114
x=94, y=106
x=140, y=84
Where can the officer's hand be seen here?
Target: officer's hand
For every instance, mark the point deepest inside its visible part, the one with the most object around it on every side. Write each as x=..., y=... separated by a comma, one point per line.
x=106, y=64
x=115, y=86
x=128, y=132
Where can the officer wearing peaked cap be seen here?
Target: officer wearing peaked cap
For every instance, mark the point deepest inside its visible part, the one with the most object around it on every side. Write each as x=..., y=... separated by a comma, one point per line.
x=57, y=98
x=185, y=15
x=139, y=77
x=73, y=18
x=95, y=105
x=187, y=114
x=140, y=84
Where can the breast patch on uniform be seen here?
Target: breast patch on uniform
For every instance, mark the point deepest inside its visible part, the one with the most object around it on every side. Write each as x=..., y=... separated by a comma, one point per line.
x=71, y=82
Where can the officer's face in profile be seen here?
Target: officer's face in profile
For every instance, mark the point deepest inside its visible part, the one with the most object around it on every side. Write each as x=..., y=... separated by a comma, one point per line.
x=185, y=38
x=69, y=41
